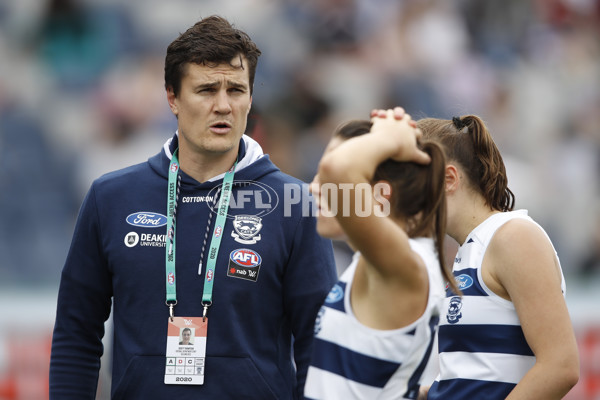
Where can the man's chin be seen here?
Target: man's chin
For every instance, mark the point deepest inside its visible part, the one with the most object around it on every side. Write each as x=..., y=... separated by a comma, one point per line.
x=222, y=145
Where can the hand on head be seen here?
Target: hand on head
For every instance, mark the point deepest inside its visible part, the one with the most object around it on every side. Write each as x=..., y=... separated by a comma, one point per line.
x=403, y=132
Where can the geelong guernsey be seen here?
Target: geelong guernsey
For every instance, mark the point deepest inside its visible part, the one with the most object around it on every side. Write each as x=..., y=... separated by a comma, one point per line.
x=352, y=361
x=483, y=352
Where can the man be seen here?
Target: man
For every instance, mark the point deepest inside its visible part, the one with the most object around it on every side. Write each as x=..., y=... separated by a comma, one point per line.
x=197, y=236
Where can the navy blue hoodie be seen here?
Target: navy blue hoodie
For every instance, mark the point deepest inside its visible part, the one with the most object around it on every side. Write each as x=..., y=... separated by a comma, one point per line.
x=260, y=330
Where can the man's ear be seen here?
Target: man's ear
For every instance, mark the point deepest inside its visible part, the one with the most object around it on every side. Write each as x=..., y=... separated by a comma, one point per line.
x=452, y=179
x=172, y=99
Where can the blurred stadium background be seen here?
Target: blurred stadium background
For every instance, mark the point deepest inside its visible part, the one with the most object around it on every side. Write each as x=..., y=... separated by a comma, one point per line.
x=81, y=93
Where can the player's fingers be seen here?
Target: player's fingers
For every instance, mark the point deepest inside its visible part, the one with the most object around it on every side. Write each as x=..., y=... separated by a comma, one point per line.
x=420, y=157
x=399, y=113
x=418, y=133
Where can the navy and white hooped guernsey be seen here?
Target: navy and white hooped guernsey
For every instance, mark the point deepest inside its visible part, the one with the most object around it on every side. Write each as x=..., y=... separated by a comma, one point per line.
x=482, y=349
x=352, y=361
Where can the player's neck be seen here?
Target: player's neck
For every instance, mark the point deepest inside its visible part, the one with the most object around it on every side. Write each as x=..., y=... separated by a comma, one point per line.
x=468, y=217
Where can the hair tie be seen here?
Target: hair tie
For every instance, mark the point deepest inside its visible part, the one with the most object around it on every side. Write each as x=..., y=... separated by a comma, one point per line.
x=459, y=123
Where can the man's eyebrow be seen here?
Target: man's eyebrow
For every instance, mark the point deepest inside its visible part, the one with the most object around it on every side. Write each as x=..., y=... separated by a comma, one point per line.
x=207, y=85
x=230, y=84
x=236, y=85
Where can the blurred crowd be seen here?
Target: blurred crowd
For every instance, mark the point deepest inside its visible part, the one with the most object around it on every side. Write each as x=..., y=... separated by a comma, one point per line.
x=82, y=93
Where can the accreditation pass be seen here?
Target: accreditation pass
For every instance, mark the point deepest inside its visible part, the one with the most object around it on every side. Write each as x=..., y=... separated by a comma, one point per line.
x=186, y=351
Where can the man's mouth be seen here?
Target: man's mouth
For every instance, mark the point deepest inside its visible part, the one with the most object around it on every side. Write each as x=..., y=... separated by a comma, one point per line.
x=220, y=127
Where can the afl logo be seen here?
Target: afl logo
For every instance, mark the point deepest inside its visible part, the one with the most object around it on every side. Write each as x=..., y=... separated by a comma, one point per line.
x=245, y=258
x=464, y=281
x=146, y=219
x=171, y=278
x=335, y=295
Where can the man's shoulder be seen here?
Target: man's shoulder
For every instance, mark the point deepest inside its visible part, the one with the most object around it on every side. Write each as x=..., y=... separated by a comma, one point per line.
x=279, y=179
x=133, y=178
x=124, y=174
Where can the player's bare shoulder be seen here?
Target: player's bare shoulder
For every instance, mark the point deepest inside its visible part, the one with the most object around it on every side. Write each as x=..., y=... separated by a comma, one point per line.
x=521, y=246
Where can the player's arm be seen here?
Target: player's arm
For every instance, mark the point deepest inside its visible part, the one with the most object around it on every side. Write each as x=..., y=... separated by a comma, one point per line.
x=379, y=239
x=524, y=263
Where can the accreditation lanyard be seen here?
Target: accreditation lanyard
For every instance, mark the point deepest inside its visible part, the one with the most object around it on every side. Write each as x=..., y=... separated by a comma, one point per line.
x=215, y=242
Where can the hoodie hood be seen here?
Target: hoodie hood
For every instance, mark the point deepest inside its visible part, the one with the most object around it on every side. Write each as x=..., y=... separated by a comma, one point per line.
x=250, y=154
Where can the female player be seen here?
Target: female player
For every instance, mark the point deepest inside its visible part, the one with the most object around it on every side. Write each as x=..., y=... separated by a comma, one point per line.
x=374, y=333
x=509, y=335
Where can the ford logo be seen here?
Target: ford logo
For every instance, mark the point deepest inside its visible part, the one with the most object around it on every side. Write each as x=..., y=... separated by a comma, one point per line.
x=146, y=219
x=464, y=281
x=335, y=295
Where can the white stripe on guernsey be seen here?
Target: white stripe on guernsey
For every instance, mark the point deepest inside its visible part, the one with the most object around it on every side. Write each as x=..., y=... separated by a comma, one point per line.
x=336, y=387
x=482, y=310
x=361, y=339
x=487, y=366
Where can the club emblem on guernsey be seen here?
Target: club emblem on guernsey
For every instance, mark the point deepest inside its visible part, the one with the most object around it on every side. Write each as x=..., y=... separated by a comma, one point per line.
x=246, y=228
x=454, y=307
x=244, y=264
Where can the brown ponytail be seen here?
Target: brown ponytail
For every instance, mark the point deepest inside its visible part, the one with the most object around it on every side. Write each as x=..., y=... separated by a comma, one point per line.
x=467, y=141
x=419, y=196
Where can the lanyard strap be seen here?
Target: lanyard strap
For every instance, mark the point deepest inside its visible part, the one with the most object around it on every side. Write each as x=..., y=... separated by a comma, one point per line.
x=172, y=197
x=215, y=242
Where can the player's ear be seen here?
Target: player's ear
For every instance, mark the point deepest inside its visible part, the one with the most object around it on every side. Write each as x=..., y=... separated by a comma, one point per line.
x=452, y=178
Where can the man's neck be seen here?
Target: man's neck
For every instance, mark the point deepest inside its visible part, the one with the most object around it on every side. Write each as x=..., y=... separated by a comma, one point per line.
x=203, y=167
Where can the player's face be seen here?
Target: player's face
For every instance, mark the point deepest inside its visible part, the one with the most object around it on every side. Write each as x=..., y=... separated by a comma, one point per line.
x=212, y=107
x=327, y=225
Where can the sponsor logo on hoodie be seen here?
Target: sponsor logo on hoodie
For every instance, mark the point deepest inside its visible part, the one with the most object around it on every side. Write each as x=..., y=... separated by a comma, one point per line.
x=244, y=264
x=146, y=219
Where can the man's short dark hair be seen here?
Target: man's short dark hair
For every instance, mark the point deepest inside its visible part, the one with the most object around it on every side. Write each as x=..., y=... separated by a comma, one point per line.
x=211, y=41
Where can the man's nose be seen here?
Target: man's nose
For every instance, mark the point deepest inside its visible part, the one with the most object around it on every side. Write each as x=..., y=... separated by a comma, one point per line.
x=222, y=104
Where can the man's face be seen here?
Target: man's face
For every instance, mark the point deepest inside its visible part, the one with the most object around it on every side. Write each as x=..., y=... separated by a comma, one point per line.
x=185, y=335
x=212, y=107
